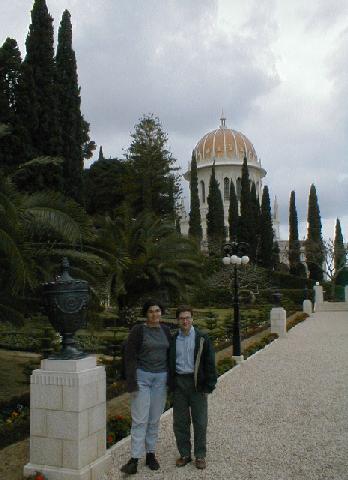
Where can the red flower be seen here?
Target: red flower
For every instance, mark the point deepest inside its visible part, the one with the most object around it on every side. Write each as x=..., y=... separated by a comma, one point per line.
x=39, y=476
x=119, y=417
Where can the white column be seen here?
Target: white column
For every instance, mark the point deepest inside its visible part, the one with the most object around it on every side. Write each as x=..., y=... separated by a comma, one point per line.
x=307, y=307
x=278, y=321
x=346, y=293
x=68, y=420
x=318, y=295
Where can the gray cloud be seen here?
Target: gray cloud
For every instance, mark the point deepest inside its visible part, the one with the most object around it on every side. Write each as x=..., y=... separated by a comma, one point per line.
x=172, y=59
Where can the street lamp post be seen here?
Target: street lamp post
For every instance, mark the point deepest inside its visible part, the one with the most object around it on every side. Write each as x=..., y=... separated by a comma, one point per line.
x=231, y=251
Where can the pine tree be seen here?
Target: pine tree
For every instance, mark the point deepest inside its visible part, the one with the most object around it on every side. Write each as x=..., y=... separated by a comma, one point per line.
x=295, y=265
x=154, y=181
x=339, y=251
x=233, y=216
x=195, y=227
x=10, y=65
x=247, y=229
x=69, y=101
x=40, y=57
x=314, y=241
x=215, y=215
x=266, y=253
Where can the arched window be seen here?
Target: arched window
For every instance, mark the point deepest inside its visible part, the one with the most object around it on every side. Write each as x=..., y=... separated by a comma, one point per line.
x=239, y=188
x=226, y=188
x=202, y=191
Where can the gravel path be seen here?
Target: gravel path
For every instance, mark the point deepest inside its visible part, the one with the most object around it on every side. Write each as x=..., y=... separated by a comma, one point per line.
x=281, y=415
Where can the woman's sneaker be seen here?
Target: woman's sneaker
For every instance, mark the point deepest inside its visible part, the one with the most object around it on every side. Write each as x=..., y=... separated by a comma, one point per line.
x=131, y=467
x=151, y=461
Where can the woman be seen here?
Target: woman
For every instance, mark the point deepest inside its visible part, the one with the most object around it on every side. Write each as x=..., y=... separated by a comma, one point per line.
x=146, y=365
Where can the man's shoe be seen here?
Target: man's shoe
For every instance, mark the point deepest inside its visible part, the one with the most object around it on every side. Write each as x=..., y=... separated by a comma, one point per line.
x=131, y=467
x=151, y=461
x=182, y=461
x=200, y=463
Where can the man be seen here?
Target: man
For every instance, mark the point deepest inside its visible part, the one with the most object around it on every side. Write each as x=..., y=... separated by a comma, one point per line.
x=192, y=377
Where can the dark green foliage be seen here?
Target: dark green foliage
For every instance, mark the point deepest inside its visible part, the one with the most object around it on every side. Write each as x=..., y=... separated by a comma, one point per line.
x=266, y=251
x=106, y=184
x=314, y=241
x=70, y=117
x=46, y=134
x=340, y=254
x=255, y=206
x=215, y=215
x=296, y=267
x=40, y=174
x=101, y=155
x=26, y=113
x=155, y=184
x=276, y=256
x=233, y=216
x=247, y=227
x=195, y=227
x=10, y=66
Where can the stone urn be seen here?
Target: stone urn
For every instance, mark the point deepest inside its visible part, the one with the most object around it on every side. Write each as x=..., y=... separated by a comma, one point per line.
x=66, y=301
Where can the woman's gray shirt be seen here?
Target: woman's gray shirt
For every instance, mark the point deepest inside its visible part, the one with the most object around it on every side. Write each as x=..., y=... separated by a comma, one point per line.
x=153, y=354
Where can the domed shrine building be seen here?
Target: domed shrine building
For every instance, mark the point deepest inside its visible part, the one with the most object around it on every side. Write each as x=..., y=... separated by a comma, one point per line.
x=227, y=148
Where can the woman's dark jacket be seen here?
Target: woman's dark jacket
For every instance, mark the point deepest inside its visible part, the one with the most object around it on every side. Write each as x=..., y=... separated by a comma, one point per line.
x=204, y=357
x=132, y=349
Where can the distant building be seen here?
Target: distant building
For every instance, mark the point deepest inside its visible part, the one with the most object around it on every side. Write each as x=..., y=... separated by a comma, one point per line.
x=227, y=148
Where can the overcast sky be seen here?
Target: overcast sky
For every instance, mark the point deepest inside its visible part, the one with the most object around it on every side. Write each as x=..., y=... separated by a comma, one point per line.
x=278, y=68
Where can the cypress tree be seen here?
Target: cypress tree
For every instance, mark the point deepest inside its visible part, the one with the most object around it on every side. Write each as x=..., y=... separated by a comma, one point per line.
x=276, y=256
x=69, y=101
x=233, y=216
x=101, y=155
x=195, y=227
x=247, y=229
x=10, y=65
x=215, y=215
x=255, y=209
x=40, y=57
x=339, y=251
x=314, y=241
x=266, y=254
x=295, y=265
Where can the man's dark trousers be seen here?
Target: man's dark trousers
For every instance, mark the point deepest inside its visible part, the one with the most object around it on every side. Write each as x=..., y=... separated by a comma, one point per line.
x=186, y=397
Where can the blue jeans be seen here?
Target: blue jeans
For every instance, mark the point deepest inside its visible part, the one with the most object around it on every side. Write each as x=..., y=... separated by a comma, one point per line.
x=147, y=405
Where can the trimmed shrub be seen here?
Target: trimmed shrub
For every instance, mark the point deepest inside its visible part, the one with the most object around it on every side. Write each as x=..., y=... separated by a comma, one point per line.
x=295, y=319
x=258, y=345
x=224, y=365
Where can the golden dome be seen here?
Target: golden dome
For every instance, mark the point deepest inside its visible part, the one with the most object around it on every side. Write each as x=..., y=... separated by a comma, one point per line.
x=225, y=144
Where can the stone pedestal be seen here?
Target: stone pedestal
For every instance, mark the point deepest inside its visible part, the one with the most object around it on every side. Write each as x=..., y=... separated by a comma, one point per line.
x=318, y=295
x=278, y=321
x=238, y=359
x=68, y=420
x=307, y=307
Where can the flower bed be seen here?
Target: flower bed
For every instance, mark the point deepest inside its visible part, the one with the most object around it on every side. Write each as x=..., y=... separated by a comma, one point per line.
x=117, y=428
x=14, y=420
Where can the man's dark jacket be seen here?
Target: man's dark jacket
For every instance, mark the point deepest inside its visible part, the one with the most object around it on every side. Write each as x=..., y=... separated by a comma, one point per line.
x=204, y=359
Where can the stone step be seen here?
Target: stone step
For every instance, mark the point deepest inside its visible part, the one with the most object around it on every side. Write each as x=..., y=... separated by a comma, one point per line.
x=332, y=307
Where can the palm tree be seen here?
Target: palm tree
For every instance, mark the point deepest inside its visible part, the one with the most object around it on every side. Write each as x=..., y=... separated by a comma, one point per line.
x=159, y=259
